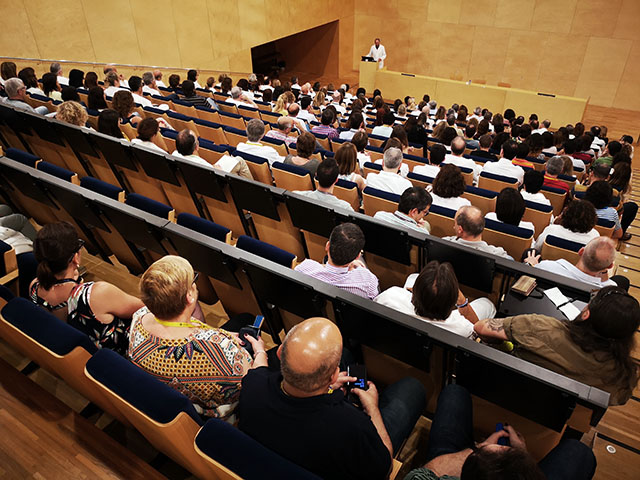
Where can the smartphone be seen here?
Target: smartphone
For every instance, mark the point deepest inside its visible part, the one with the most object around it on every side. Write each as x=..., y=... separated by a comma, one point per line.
x=360, y=372
x=252, y=330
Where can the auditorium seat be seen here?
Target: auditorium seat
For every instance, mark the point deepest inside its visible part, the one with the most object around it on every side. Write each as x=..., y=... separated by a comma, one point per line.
x=279, y=145
x=232, y=119
x=418, y=180
x=539, y=214
x=258, y=166
x=205, y=227
x=605, y=227
x=151, y=206
x=291, y=177
x=248, y=112
x=265, y=250
x=441, y=220
x=482, y=198
x=180, y=122
x=207, y=114
x=103, y=188
x=514, y=240
x=370, y=167
x=555, y=248
x=227, y=107
x=374, y=200
x=8, y=265
x=235, y=135
x=56, y=171
x=491, y=181
x=557, y=198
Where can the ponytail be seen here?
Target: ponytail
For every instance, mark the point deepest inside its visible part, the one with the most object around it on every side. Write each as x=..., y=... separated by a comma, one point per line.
x=45, y=276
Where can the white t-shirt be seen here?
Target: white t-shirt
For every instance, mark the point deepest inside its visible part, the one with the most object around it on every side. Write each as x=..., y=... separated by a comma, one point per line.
x=465, y=163
x=535, y=197
x=428, y=170
x=504, y=167
x=389, y=182
x=404, y=168
x=493, y=216
x=151, y=145
x=259, y=150
x=567, y=269
x=454, y=203
x=559, y=231
x=141, y=100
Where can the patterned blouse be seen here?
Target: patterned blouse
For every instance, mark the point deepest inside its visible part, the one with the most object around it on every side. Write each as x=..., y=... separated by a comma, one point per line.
x=112, y=335
x=207, y=366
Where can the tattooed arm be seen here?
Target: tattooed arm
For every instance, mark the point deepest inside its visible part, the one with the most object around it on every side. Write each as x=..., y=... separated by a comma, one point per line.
x=491, y=330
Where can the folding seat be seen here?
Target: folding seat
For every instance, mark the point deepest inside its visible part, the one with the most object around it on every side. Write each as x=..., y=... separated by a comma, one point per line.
x=323, y=140
x=181, y=122
x=539, y=214
x=169, y=138
x=154, y=112
x=555, y=248
x=413, y=161
x=207, y=114
x=185, y=108
x=56, y=171
x=491, y=181
x=514, y=240
x=374, y=200
x=375, y=153
x=570, y=181
x=557, y=197
x=266, y=250
x=269, y=117
x=376, y=140
x=279, y=145
x=212, y=152
x=418, y=180
x=605, y=227
x=36, y=101
x=53, y=345
x=211, y=131
x=291, y=177
x=467, y=174
x=485, y=200
x=220, y=97
x=232, y=120
x=441, y=220
x=227, y=107
x=8, y=266
x=370, y=167
x=248, y=112
x=259, y=167
x=347, y=191
x=151, y=206
x=234, y=135
x=12, y=127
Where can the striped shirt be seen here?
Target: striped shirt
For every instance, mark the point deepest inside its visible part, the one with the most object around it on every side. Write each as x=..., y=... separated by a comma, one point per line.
x=278, y=135
x=609, y=213
x=554, y=182
x=325, y=130
x=359, y=281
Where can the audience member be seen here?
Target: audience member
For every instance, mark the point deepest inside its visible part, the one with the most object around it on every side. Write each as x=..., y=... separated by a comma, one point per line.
x=187, y=148
x=600, y=194
x=436, y=157
x=112, y=84
x=16, y=231
x=533, y=181
x=17, y=97
x=192, y=76
x=552, y=170
x=149, y=85
x=484, y=144
x=326, y=128
x=355, y=124
x=190, y=96
x=123, y=104
x=76, y=78
x=147, y=132
x=458, y=146
x=157, y=75
x=360, y=140
x=8, y=70
x=344, y=268
x=621, y=181
x=255, y=132
x=73, y=113
x=504, y=165
x=468, y=227
x=347, y=159
x=51, y=87
x=327, y=176
x=28, y=77
x=522, y=152
x=448, y=187
x=109, y=123
x=510, y=209
x=384, y=130
x=575, y=224
x=389, y=179
x=284, y=128
x=413, y=207
x=96, y=99
x=305, y=146
x=56, y=69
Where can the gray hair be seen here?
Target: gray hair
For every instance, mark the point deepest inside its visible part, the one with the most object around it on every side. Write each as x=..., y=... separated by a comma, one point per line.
x=392, y=158
x=12, y=86
x=55, y=68
x=477, y=111
x=255, y=129
x=433, y=104
x=599, y=254
x=253, y=78
x=554, y=165
x=285, y=122
x=236, y=92
x=147, y=78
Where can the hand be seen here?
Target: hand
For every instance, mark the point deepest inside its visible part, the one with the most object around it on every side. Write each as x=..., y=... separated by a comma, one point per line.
x=532, y=259
x=515, y=438
x=493, y=438
x=256, y=343
x=368, y=398
x=343, y=378
x=356, y=264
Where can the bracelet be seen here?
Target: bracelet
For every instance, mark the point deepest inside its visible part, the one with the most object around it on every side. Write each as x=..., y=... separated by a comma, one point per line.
x=259, y=351
x=462, y=305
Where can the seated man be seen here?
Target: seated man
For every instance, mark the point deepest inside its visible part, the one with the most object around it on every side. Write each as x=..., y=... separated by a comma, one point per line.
x=327, y=120
x=190, y=96
x=135, y=84
x=384, y=130
x=485, y=142
x=434, y=296
x=413, y=207
x=437, y=155
x=255, y=132
x=150, y=85
x=552, y=170
x=595, y=348
x=453, y=454
x=596, y=258
x=531, y=186
x=600, y=194
x=522, y=153
x=456, y=157
x=597, y=172
x=301, y=412
x=344, y=268
x=17, y=96
x=305, y=112
x=389, y=179
x=468, y=226
x=355, y=124
x=240, y=98
x=327, y=175
x=285, y=125
x=112, y=83
x=504, y=165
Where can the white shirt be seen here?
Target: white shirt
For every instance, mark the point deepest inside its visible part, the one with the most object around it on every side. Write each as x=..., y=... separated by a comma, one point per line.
x=362, y=159
x=535, y=197
x=35, y=91
x=63, y=80
x=428, y=170
x=150, y=145
x=578, y=163
x=141, y=100
x=404, y=168
x=454, y=203
x=482, y=246
x=463, y=162
x=567, y=269
x=326, y=198
x=389, y=182
x=160, y=83
x=378, y=54
x=238, y=102
x=504, y=167
x=399, y=299
x=16, y=240
x=110, y=91
x=307, y=115
x=382, y=131
x=347, y=134
x=150, y=91
x=540, y=130
x=193, y=158
x=259, y=150
x=527, y=225
x=399, y=218
x=559, y=231
x=339, y=108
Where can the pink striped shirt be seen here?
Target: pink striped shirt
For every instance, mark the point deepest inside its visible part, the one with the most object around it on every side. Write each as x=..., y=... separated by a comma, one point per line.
x=359, y=281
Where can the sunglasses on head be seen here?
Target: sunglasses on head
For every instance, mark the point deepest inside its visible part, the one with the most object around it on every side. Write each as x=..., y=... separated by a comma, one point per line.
x=80, y=245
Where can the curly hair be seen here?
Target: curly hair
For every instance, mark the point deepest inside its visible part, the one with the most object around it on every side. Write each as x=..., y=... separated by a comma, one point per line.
x=123, y=103
x=580, y=216
x=449, y=182
x=73, y=113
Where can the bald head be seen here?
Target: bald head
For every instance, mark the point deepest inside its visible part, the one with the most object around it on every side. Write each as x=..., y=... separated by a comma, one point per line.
x=598, y=254
x=470, y=221
x=310, y=355
x=285, y=123
x=458, y=145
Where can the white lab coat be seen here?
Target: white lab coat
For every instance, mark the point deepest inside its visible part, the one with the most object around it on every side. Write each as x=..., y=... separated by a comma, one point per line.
x=378, y=54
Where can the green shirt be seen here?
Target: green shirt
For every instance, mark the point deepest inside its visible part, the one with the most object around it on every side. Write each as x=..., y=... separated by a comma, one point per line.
x=426, y=474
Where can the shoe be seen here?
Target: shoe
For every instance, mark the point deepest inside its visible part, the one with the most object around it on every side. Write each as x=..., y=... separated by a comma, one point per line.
x=626, y=237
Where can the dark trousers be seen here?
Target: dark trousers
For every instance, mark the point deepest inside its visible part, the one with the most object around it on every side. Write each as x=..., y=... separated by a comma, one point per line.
x=629, y=211
x=452, y=431
x=401, y=404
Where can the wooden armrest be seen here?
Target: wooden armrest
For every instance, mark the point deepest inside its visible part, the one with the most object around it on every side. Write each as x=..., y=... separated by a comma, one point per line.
x=395, y=468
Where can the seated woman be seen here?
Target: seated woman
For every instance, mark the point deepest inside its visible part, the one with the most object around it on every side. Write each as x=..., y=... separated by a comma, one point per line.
x=621, y=182
x=347, y=159
x=96, y=99
x=448, y=186
x=204, y=363
x=98, y=309
x=510, y=209
x=109, y=123
x=123, y=104
x=600, y=194
x=73, y=113
x=305, y=145
x=575, y=224
x=435, y=297
x=594, y=349
x=147, y=131
x=51, y=87
x=360, y=140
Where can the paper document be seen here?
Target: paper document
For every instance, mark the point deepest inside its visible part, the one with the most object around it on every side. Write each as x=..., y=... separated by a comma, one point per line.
x=556, y=296
x=570, y=311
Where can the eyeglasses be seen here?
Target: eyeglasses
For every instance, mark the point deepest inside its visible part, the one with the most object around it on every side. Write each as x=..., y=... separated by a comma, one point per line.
x=80, y=245
x=195, y=277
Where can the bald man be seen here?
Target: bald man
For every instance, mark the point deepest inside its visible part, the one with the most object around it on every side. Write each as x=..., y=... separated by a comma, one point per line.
x=468, y=226
x=285, y=125
x=302, y=414
x=596, y=259
x=456, y=157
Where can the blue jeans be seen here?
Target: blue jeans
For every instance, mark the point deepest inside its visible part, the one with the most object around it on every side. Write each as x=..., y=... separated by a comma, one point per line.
x=452, y=431
x=401, y=404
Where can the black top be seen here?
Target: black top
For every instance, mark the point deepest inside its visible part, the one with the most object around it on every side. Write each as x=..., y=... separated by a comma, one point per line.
x=324, y=434
x=485, y=154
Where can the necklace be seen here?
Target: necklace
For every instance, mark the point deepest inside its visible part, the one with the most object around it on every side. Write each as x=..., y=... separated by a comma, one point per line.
x=193, y=323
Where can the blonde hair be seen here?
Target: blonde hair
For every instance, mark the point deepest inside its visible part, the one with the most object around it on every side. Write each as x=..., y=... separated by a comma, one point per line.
x=318, y=101
x=73, y=113
x=281, y=104
x=164, y=286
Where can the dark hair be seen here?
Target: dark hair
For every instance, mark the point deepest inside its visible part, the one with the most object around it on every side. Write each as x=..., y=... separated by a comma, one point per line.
x=123, y=103
x=608, y=332
x=388, y=118
x=95, y=99
x=267, y=96
x=192, y=75
x=525, y=131
x=580, y=216
x=448, y=135
x=69, y=93
x=449, y=182
x=485, y=141
x=601, y=171
x=90, y=80
x=400, y=133
x=533, y=181
x=8, y=70
x=360, y=140
x=305, y=144
x=437, y=153
x=327, y=172
x=600, y=194
x=535, y=144
x=174, y=81
x=470, y=130
x=28, y=77
x=435, y=291
x=614, y=147
x=503, y=464
x=570, y=146
x=328, y=117
x=509, y=114
x=147, y=128
x=510, y=206
x=186, y=142
x=522, y=150
x=578, y=130
x=135, y=83
x=54, y=248
x=49, y=83
x=621, y=176
x=345, y=243
x=355, y=120
x=472, y=224
x=547, y=139
x=483, y=128
x=226, y=84
x=414, y=197
x=108, y=122
x=620, y=157
x=188, y=88
x=305, y=101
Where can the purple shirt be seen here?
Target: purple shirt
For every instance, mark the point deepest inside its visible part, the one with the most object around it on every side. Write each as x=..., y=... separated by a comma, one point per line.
x=278, y=135
x=359, y=281
x=325, y=130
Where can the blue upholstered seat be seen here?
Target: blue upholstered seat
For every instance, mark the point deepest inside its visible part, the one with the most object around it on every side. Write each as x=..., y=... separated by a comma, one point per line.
x=372, y=166
x=155, y=399
x=45, y=328
x=232, y=448
x=6, y=294
x=22, y=157
x=103, y=188
x=295, y=169
x=500, y=178
x=563, y=243
x=237, y=131
x=206, y=123
x=346, y=184
x=445, y=212
x=265, y=250
x=227, y=114
x=603, y=222
x=148, y=205
x=558, y=191
x=249, y=158
x=201, y=225
x=272, y=141
x=169, y=133
x=374, y=192
x=56, y=171
x=4, y=247
x=209, y=145
x=420, y=178
x=508, y=229
x=538, y=206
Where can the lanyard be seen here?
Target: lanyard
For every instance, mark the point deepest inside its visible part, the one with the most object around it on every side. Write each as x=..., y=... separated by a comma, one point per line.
x=197, y=324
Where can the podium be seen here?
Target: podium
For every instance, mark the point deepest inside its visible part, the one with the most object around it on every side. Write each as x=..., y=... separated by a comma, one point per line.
x=368, y=75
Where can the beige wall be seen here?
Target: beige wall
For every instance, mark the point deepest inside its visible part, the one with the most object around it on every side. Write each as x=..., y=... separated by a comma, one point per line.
x=585, y=48
x=204, y=34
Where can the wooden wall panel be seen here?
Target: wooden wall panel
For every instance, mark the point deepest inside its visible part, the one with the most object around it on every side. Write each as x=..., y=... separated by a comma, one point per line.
x=515, y=14
x=553, y=16
x=628, y=24
x=156, y=31
x=596, y=17
x=16, y=36
x=628, y=94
